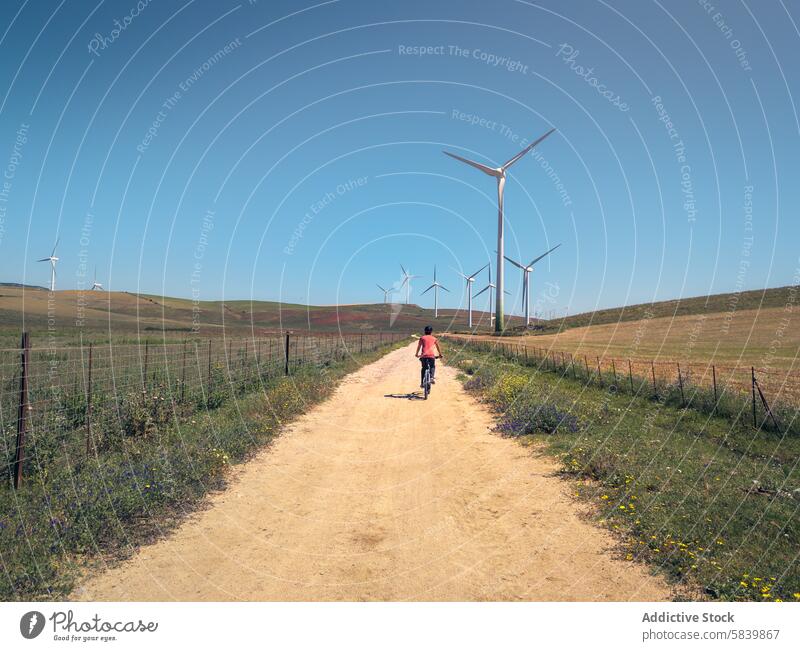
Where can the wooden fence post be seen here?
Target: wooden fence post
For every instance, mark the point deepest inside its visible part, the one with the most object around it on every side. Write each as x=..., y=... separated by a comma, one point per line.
x=89, y=404
x=208, y=381
x=146, y=352
x=680, y=384
x=286, y=361
x=714, y=378
x=753, y=389
x=22, y=413
x=586, y=362
x=653, y=369
x=614, y=370
x=630, y=375
x=599, y=374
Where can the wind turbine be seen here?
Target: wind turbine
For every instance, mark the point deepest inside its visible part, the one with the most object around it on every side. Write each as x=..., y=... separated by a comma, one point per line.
x=435, y=287
x=470, y=279
x=500, y=174
x=95, y=284
x=406, y=278
x=52, y=260
x=491, y=286
x=386, y=293
x=526, y=281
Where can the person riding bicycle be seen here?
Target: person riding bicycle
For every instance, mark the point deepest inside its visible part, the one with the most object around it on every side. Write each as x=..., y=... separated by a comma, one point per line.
x=427, y=348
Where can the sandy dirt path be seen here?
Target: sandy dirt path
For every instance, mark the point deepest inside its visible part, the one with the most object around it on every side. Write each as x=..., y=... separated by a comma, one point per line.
x=369, y=497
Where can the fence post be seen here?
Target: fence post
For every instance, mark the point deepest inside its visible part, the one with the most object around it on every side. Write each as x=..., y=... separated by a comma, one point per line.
x=286, y=361
x=183, y=373
x=89, y=404
x=630, y=375
x=653, y=369
x=680, y=384
x=208, y=381
x=714, y=377
x=614, y=370
x=586, y=362
x=599, y=374
x=753, y=389
x=146, y=351
x=22, y=414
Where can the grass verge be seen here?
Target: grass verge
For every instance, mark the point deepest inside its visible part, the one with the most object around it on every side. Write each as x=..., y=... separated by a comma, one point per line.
x=107, y=505
x=708, y=501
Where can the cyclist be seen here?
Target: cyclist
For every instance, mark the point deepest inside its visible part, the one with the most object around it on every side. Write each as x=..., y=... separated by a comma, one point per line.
x=425, y=352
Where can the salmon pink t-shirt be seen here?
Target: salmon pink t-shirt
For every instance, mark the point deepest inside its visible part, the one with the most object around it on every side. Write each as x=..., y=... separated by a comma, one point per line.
x=428, y=345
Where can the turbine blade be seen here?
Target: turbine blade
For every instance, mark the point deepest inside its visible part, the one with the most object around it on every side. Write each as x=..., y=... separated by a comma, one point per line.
x=543, y=255
x=429, y=289
x=459, y=273
x=379, y=287
x=481, y=292
x=483, y=168
x=44, y=260
x=55, y=245
x=514, y=262
x=444, y=288
x=511, y=161
x=479, y=270
x=405, y=273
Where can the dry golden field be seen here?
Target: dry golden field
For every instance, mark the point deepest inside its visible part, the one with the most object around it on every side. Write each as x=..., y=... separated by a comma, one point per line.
x=729, y=342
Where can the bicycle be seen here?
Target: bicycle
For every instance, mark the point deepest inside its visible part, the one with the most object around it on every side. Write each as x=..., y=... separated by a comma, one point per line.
x=426, y=380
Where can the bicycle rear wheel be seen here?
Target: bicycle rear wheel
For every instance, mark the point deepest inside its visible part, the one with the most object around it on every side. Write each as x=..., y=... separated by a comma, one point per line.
x=426, y=383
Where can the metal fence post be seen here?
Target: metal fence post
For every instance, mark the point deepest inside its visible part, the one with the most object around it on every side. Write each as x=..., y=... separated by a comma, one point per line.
x=22, y=413
x=89, y=404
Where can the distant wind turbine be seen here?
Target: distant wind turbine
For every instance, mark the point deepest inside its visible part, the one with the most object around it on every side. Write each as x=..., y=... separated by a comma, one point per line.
x=95, y=284
x=470, y=279
x=52, y=259
x=500, y=174
x=407, y=277
x=435, y=287
x=491, y=287
x=386, y=293
x=526, y=281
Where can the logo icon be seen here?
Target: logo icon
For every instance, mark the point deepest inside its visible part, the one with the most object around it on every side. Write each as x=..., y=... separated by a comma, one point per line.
x=31, y=624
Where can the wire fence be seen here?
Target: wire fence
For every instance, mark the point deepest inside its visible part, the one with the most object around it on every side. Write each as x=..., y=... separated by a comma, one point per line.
x=773, y=395
x=65, y=400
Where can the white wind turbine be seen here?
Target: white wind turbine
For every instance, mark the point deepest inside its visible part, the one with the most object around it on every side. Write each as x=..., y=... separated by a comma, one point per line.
x=435, y=287
x=52, y=259
x=526, y=282
x=386, y=293
x=407, y=277
x=95, y=284
x=470, y=279
x=500, y=174
x=491, y=287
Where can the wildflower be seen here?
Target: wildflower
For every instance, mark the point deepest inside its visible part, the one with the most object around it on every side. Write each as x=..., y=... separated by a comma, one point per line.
x=743, y=584
x=796, y=595
x=604, y=497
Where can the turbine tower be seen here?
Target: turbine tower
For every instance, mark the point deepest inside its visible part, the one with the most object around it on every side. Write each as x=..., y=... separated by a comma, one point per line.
x=52, y=260
x=386, y=293
x=435, y=287
x=470, y=279
x=95, y=284
x=500, y=174
x=406, y=278
x=526, y=282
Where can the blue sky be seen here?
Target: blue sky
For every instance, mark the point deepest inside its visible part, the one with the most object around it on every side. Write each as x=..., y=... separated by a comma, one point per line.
x=292, y=151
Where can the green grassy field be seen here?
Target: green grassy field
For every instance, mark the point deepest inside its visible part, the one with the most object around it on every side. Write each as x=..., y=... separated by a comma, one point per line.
x=706, y=500
x=155, y=454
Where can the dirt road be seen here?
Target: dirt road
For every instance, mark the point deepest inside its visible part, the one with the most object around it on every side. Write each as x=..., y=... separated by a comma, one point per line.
x=370, y=497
